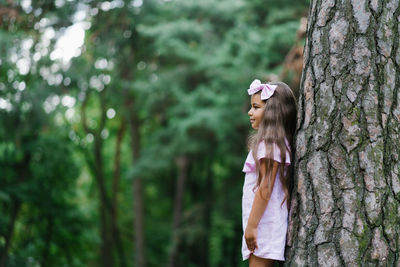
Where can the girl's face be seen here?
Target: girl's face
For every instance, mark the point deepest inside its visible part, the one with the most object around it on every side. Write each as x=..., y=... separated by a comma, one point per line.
x=256, y=111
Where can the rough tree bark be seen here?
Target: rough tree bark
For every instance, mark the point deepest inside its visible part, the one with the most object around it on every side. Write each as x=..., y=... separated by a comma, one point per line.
x=347, y=192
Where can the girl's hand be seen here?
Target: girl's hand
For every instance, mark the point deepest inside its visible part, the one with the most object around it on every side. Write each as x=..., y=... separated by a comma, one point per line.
x=250, y=235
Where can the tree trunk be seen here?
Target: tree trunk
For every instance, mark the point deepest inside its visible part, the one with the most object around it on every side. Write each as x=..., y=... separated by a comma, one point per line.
x=105, y=209
x=23, y=172
x=208, y=208
x=16, y=207
x=47, y=241
x=346, y=198
x=114, y=199
x=137, y=193
x=181, y=163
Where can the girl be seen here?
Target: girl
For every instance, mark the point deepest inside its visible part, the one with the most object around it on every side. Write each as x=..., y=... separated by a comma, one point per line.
x=267, y=183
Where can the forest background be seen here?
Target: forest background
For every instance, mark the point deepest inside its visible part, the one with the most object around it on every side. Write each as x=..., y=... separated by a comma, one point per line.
x=123, y=126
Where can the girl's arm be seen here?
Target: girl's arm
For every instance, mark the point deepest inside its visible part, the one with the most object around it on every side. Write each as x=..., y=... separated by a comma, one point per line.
x=260, y=203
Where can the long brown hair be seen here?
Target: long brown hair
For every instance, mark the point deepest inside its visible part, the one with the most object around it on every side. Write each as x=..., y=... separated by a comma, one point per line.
x=277, y=124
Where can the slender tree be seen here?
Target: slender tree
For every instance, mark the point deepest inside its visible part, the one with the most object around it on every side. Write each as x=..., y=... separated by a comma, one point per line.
x=346, y=198
x=38, y=168
x=95, y=161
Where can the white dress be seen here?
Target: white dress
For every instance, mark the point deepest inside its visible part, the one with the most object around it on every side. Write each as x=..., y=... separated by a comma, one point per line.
x=271, y=231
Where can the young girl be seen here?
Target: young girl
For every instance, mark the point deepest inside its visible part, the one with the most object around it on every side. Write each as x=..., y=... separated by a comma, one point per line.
x=267, y=183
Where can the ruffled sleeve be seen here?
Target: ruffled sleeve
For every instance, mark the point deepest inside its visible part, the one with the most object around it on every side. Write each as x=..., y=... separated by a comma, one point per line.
x=250, y=165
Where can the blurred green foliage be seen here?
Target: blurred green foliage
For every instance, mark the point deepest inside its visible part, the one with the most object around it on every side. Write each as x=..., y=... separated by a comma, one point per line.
x=176, y=70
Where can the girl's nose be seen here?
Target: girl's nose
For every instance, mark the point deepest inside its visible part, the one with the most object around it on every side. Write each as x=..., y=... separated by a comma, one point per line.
x=249, y=112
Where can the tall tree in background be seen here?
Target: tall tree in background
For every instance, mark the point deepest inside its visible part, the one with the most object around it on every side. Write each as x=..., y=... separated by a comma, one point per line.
x=206, y=58
x=124, y=47
x=39, y=170
x=347, y=197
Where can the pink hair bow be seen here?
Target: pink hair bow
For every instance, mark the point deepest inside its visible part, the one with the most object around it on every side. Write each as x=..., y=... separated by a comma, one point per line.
x=267, y=89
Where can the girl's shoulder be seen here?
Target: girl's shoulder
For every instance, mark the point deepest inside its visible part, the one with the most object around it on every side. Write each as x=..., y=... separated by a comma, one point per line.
x=272, y=151
x=275, y=154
